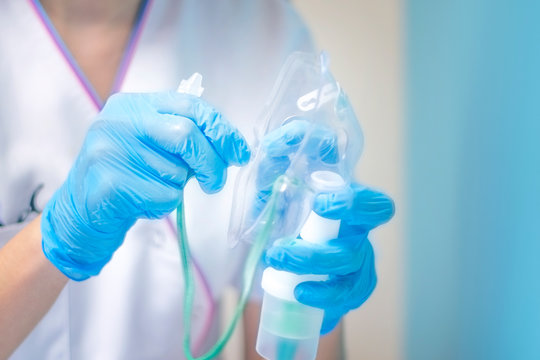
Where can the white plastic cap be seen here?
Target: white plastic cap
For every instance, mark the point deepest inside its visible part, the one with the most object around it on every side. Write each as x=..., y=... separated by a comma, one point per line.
x=281, y=284
x=326, y=181
x=318, y=229
x=192, y=86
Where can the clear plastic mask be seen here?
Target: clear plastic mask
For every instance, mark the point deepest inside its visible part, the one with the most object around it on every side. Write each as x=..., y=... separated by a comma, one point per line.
x=307, y=126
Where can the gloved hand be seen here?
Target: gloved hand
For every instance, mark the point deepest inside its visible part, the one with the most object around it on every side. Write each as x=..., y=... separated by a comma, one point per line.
x=319, y=148
x=134, y=163
x=348, y=260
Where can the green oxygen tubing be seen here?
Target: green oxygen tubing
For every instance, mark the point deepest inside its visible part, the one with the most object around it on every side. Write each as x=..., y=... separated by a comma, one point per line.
x=248, y=274
x=193, y=86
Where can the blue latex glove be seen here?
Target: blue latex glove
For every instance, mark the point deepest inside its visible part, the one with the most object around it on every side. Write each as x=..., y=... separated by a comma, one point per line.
x=278, y=145
x=134, y=163
x=348, y=260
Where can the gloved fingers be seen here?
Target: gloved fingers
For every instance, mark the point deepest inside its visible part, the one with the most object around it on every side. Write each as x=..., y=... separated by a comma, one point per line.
x=147, y=158
x=283, y=142
x=330, y=321
x=199, y=154
x=164, y=165
x=156, y=201
x=109, y=161
x=334, y=205
x=334, y=308
x=339, y=293
x=321, y=143
x=286, y=139
x=358, y=205
x=115, y=194
x=183, y=139
x=337, y=257
x=270, y=168
x=224, y=137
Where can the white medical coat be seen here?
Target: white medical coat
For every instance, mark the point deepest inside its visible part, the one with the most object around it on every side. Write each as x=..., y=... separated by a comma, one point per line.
x=133, y=309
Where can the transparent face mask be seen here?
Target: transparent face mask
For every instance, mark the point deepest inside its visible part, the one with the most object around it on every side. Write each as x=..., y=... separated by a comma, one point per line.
x=308, y=127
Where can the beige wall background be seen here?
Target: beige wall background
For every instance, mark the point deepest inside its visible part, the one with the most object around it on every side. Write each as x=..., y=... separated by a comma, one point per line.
x=364, y=40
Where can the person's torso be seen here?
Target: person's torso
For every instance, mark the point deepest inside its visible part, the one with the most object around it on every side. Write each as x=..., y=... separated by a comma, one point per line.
x=133, y=309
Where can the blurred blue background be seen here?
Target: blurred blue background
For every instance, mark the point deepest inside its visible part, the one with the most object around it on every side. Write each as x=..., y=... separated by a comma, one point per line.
x=448, y=95
x=473, y=177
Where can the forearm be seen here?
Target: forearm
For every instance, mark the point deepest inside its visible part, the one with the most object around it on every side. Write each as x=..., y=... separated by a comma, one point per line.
x=29, y=285
x=331, y=345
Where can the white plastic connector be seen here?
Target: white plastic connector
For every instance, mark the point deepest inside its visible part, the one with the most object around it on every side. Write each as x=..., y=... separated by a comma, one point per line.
x=318, y=229
x=192, y=86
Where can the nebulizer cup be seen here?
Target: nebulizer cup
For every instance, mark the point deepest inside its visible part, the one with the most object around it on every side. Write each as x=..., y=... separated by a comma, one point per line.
x=289, y=329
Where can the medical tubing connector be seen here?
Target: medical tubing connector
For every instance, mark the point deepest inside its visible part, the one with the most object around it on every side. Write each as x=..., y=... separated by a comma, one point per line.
x=289, y=329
